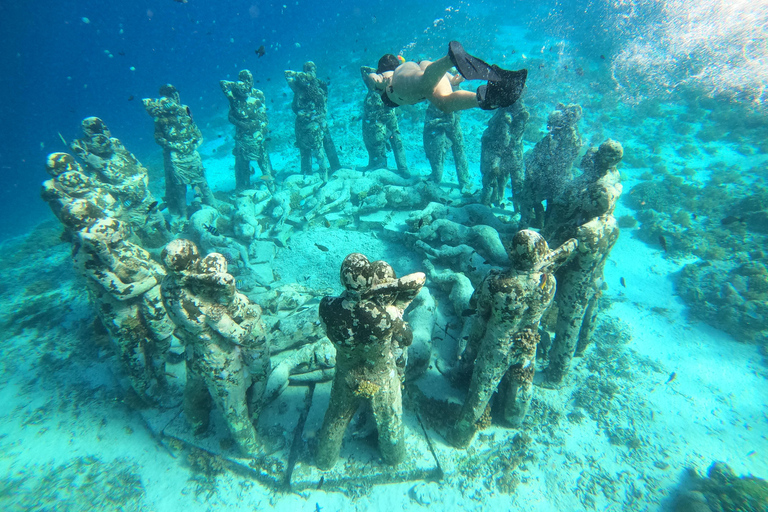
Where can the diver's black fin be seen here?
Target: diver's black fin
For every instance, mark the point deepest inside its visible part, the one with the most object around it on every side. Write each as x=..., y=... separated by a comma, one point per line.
x=468, y=66
x=503, y=92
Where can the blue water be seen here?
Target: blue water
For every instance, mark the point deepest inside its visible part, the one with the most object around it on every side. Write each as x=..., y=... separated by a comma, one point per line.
x=682, y=84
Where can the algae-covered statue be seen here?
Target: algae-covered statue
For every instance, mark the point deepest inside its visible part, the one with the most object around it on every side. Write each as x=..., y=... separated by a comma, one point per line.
x=310, y=104
x=177, y=133
x=124, y=177
x=441, y=131
x=69, y=182
x=504, y=334
x=578, y=291
x=548, y=166
x=123, y=284
x=366, y=325
x=380, y=129
x=501, y=155
x=228, y=355
x=248, y=112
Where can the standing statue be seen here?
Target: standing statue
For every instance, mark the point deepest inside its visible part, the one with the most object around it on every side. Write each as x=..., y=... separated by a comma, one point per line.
x=441, y=131
x=501, y=157
x=578, y=292
x=504, y=333
x=379, y=127
x=177, y=133
x=548, y=166
x=310, y=103
x=225, y=339
x=248, y=112
x=125, y=178
x=123, y=284
x=366, y=325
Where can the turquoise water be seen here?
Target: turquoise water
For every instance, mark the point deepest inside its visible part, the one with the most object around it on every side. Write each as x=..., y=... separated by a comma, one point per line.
x=673, y=381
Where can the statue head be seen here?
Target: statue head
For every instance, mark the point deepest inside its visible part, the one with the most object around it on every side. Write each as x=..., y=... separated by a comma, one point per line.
x=356, y=272
x=59, y=163
x=107, y=230
x=94, y=126
x=169, y=91
x=526, y=249
x=180, y=255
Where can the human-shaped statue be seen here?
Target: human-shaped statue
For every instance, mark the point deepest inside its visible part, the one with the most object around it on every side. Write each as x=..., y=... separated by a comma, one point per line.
x=441, y=131
x=125, y=178
x=123, y=284
x=594, y=193
x=504, y=333
x=177, y=133
x=578, y=290
x=310, y=103
x=69, y=182
x=248, y=112
x=366, y=325
x=226, y=343
x=501, y=156
x=548, y=166
x=379, y=128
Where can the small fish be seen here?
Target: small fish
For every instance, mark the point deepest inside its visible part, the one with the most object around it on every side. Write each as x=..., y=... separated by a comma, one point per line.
x=239, y=284
x=121, y=53
x=130, y=98
x=580, y=71
x=541, y=66
x=602, y=57
x=180, y=1
x=321, y=247
x=420, y=223
x=671, y=377
x=62, y=138
x=327, y=223
x=189, y=112
x=731, y=219
x=543, y=281
x=693, y=215
x=468, y=312
x=751, y=453
x=211, y=229
x=127, y=203
x=260, y=51
x=266, y=177
x=152, y=206
x=320, y=483
x=565, y=67
x=623, y=282
x=318, y=508
x=663, y=242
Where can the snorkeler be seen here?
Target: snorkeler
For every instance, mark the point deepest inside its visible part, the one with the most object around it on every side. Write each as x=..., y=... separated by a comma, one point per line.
x=407, y=83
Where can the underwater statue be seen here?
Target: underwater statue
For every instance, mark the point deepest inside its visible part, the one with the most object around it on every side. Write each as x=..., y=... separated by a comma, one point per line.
x=124, y=285
x=590, y=195
x=501, y=156
x=441, y=131
x=504, y=334
x=69, y=182
x=227, y=348
x=578, y=292
x=380, y=129
x=310, y=104
x=248, y=112
x=177, y=133
x=366, y=325
x=125, y=178
x=407, y=83
x=548, y=166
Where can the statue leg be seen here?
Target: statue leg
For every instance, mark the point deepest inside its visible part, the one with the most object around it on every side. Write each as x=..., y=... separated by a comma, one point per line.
x=387, y=406
x=434, y=147
x=588, y=327
x=459, y=157
x=571, y=306
x=516, y=389
x=197, y=400
x=242, y=172
x=342, y=406
x=492, y=362
x=330, y=151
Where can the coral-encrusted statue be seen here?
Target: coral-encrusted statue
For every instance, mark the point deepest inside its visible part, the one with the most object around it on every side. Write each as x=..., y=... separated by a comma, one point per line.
x=248, y=112
x=379, y=128
x=177, y=133
x=310, y=103
x=442, y=130
x=501, y=156
x=366, y=325
x=578, y=291
x=509, y=305
x=225, y=339
x=123, y=284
